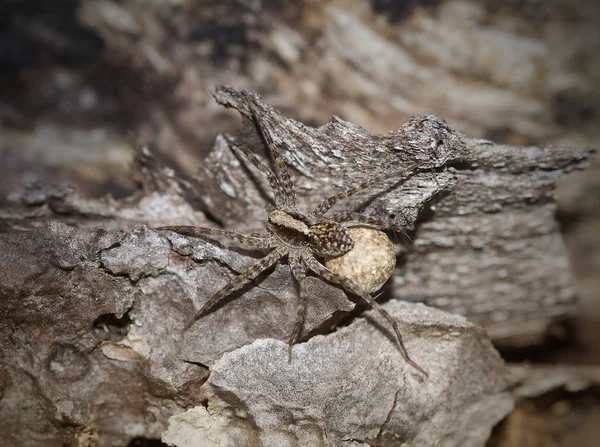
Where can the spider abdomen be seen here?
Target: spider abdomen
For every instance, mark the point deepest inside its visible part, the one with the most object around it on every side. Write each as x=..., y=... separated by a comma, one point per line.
x=329, y=239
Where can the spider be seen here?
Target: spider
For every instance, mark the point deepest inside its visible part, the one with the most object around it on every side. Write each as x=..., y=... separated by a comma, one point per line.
x=304, y=239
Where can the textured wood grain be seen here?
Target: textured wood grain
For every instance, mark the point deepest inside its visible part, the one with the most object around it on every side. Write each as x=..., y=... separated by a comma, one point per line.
x=484, y=241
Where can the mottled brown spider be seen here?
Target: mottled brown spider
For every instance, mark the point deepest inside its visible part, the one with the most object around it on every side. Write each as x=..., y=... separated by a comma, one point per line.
x=303, y=238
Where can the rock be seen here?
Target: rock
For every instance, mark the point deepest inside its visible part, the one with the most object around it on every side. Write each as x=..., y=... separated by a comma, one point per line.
x=341, y=387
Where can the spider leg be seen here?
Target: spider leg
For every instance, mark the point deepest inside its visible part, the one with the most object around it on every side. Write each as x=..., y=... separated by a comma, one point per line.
x=278, y=191
x=299, y=272
x=329, y=202
x=352, y=219
x=253, y=240
x=287, y=188
x=354, y=288
x=239, y=282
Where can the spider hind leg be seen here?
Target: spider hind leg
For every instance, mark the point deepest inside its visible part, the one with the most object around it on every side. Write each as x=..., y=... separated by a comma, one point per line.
x=254, y=239
x=298, y=269
x=352, y=287
x=288, y=191
x=238, y=282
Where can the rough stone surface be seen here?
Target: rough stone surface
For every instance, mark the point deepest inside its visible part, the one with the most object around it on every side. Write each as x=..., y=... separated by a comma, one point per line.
x=55, y=384
x=341, y=388
x=199, y=427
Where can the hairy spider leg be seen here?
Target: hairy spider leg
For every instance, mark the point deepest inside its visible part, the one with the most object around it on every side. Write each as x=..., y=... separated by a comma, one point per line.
x=254, y=239
x=278, y=190
x=239, y=281
x=354, y=288
x=288, y=188
x=329, y=202
x=299, y=273
x=351, y=218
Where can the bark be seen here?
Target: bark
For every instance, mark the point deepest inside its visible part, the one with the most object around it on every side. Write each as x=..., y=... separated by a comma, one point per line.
x=92, y=317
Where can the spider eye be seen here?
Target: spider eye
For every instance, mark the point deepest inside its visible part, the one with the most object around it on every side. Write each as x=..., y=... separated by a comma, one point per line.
x=330, y=239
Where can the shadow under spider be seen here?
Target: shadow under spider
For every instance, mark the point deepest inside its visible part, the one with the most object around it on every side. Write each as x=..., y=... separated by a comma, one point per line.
x=304, y=239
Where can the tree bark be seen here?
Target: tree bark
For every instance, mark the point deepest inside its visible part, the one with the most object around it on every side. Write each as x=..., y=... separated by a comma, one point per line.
x=96, y=314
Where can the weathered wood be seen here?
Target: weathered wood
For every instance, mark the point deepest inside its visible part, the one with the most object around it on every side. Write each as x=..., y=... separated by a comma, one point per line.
x=485, y=241
x=472, y=201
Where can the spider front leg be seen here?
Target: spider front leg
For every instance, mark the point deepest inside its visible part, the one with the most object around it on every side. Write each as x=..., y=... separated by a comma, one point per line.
x=329, y=202
x=288, y=188
x=352, y=287
x=254, y=239
x=298, y=269
x=353, y=219
x=279, y=192
x=239, y=281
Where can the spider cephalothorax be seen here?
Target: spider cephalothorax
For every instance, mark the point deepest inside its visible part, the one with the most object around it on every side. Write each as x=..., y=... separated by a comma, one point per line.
x=324, y=238
x=305, y=239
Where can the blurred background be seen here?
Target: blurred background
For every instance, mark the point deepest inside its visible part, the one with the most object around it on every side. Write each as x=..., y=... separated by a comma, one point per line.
x=78, y=78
